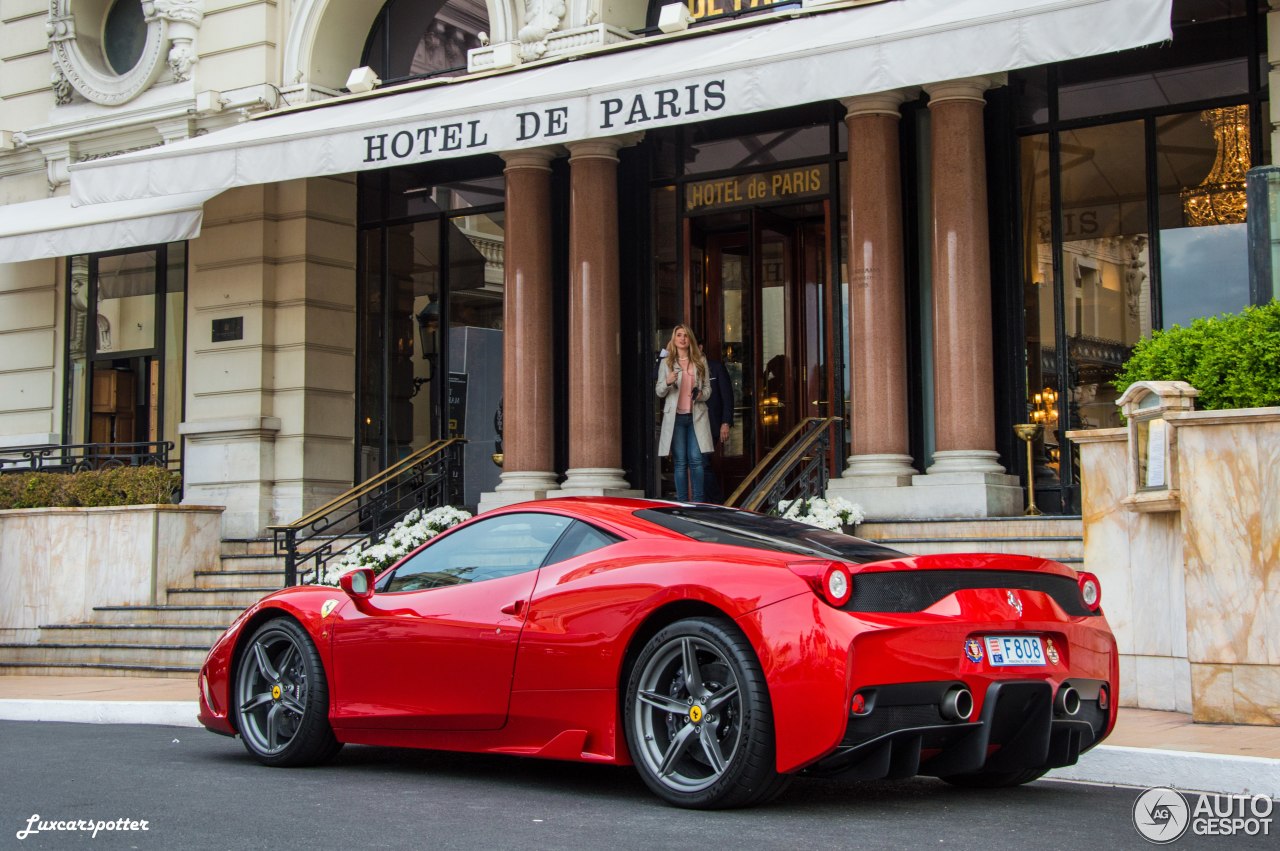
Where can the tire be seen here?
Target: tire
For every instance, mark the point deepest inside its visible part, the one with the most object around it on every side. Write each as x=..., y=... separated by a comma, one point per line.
x=710, y=746
x=996, y=779
x=281, y=698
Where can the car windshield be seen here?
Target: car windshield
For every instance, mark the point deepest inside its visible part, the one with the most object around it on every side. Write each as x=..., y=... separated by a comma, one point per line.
x=714, y=524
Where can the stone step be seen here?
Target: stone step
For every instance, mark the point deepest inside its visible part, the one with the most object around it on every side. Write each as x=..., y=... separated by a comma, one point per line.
x=242, y=597
x=232, y=563
x=991, y=527
x=165, y=615
x=266, y=546
x=184, y=656
x=131, y=633
x=1057, y=548
x=86, y=669
x=240, y=578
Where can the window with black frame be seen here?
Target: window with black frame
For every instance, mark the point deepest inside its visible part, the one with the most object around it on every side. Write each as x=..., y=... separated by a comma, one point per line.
x=430, y=279
x=126, y=323
x=411, y=40
x=1131, y=181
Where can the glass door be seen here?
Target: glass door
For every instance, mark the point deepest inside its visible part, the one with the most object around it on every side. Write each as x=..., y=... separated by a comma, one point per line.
x=766, y=313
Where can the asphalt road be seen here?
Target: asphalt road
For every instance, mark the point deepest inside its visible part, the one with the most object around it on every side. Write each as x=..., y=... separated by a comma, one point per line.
x=201, y=791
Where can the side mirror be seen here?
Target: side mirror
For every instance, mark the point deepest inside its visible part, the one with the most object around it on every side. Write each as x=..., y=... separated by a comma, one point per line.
x=358, y=583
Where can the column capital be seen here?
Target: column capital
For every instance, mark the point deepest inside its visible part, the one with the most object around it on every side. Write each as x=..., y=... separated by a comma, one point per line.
x=968, y=88
x=880, y=103
x=539, y=158
x=602, y=148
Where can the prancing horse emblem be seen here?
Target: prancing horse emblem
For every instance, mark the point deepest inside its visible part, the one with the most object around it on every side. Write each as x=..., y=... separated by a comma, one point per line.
x=1015, y=603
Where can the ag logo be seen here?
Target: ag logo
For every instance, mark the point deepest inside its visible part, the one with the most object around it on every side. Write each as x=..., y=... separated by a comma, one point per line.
x=1161, y=815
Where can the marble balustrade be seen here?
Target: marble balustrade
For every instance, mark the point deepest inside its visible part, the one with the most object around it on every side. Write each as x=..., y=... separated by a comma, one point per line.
x=1193, y=594
x=57, y=564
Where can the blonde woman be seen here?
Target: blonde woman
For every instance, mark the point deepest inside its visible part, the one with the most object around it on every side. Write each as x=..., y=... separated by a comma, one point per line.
x=684, y=386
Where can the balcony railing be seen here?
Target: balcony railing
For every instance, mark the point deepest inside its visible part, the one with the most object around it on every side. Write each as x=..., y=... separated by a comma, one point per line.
x=78, y=457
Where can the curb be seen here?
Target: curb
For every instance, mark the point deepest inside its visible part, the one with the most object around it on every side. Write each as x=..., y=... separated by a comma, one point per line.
x=1185, y=770
x=168, y=713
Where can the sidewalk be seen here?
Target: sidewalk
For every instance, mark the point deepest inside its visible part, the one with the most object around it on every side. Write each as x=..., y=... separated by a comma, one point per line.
x=1146, y=749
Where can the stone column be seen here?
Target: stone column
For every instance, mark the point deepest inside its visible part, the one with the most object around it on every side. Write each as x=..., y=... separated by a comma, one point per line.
x=966, y=468
x=595, y=377
x=528, y=465
x=880, y=466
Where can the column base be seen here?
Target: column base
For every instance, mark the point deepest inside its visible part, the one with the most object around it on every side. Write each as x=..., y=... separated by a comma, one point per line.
x=517, y=487
x=595, y=481
x=880, y=470
x=962, y=494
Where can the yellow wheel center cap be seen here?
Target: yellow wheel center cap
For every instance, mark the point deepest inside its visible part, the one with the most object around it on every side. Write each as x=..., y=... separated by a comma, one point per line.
x=276, y=692
x=695, y=713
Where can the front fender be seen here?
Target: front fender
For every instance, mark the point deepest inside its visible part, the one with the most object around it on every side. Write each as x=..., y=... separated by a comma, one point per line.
x=303, y=604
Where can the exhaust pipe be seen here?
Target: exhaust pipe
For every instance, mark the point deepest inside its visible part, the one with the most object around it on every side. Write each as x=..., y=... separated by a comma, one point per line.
x=957, y=704
x=1067, y=701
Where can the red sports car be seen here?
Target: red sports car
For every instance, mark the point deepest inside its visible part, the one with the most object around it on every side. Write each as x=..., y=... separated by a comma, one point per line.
x=720, y=651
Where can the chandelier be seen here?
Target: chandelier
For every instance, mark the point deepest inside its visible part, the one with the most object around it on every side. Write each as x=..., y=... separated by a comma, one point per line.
x=1220, y=197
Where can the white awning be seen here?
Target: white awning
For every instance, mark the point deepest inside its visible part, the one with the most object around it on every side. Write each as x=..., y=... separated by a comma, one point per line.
x=51, y=227
x=790, y=61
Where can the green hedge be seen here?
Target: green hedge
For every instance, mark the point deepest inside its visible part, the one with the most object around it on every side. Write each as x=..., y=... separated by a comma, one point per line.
x=114, y=486
x=1233, y=359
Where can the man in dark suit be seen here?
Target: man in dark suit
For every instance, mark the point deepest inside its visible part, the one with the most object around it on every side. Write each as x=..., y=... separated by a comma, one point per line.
x=720, y=411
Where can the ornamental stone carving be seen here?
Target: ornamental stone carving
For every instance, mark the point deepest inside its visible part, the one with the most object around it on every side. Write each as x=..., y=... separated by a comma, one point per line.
x=171, y=28
x=541, y=18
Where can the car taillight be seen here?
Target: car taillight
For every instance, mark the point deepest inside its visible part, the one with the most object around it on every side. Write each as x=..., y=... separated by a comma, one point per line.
x=830, y=580
x=1090, y=592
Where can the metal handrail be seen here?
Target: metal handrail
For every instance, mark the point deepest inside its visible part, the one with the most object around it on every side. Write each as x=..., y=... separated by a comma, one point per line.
x=78, y=457
x=429, y=477
x=796, y=466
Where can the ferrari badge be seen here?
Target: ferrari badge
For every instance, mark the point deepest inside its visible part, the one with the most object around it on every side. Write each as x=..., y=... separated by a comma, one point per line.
x=1050, y=650
x=695, y=713
x=329, y=606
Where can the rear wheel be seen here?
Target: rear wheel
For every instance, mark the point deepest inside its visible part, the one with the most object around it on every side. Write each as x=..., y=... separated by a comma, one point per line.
x=698, y=720
x=996, y=779
x=282, y=697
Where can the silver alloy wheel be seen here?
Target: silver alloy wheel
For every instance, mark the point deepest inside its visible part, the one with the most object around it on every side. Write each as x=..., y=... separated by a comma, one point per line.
x=687, y=712
x=271, y=691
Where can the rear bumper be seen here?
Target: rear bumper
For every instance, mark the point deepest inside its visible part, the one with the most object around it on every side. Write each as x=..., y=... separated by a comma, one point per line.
x=1019, y=728
x=817, y=658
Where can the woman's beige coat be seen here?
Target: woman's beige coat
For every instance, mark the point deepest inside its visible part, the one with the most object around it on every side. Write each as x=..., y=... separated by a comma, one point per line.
x=670, y=394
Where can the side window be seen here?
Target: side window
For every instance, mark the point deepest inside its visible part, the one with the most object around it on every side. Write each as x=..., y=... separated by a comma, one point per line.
x=489, y=549
x=580, y=540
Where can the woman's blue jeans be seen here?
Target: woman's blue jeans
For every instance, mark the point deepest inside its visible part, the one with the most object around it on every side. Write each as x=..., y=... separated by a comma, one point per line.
x=688, y=460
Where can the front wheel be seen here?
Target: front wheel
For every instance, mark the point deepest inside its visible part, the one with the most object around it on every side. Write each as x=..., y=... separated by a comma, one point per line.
x=282, y=697
x=698, y=719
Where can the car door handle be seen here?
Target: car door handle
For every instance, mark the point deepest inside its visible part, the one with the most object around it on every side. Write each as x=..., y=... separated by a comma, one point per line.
x=513, y=608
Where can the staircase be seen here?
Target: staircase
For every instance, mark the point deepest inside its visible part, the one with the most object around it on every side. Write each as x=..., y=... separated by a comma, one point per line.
x=168, y=640
x=1058, y=538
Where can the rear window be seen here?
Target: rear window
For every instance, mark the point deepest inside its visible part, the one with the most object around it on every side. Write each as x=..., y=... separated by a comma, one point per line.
x=714, y=524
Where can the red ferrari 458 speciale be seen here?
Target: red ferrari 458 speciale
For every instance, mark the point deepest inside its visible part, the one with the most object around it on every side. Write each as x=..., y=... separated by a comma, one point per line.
x=719, y=651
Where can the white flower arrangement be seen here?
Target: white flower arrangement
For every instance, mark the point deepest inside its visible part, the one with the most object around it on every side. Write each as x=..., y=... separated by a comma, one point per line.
x=400, y=540
x=833, y=514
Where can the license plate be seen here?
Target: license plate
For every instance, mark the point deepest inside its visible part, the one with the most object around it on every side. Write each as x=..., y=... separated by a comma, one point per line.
x=1007, y=650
